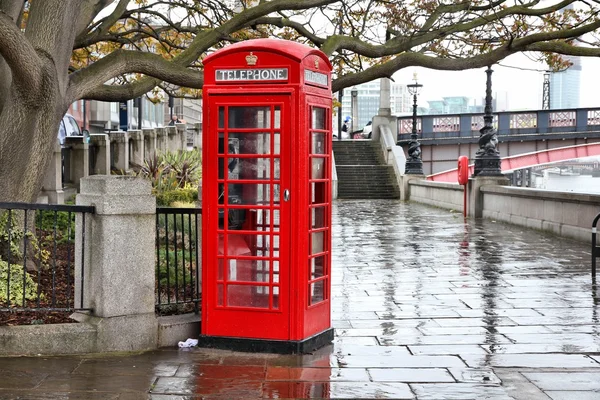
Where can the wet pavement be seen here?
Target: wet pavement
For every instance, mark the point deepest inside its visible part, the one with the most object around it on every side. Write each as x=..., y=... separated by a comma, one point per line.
x=425, y=306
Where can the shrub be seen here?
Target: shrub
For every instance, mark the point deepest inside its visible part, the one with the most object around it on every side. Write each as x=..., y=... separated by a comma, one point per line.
x=179, y=195
x=16, y=284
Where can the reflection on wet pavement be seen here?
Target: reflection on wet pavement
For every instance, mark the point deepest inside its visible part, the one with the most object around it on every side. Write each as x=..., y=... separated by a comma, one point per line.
x=425, y=306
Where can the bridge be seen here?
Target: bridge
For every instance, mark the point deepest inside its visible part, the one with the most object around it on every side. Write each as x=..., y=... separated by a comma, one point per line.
x=446, y=137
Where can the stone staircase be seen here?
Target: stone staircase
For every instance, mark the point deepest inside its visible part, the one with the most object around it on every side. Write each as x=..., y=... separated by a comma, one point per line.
x=361, y=171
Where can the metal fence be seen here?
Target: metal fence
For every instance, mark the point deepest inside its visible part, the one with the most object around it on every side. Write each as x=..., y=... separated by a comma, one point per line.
x=37, y=260
x=177, y=260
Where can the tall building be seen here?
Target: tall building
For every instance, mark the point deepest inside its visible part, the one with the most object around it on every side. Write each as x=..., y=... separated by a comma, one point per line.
x=565, y=86
x=368, y=101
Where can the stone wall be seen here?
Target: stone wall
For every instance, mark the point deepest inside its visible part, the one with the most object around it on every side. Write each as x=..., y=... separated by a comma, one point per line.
x=438, y=194
x=565, y=214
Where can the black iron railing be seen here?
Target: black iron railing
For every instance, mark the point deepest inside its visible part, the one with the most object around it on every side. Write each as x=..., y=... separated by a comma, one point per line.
x=177, y=260
x=37, y=260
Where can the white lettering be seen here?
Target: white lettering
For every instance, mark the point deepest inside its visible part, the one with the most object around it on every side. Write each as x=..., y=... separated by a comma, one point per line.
x=316, y=77
x=265, y=74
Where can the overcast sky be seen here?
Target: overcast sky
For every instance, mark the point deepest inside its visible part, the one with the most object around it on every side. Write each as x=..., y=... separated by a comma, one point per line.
x=524, y=87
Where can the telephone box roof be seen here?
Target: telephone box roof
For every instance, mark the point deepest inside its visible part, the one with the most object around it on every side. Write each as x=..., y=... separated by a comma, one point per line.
x=293, y=50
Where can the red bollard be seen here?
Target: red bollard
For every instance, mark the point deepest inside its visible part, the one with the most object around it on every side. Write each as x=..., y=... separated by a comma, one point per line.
x=463, y=178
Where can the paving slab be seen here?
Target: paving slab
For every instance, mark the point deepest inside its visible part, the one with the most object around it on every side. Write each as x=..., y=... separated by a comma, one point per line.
x=425, y=306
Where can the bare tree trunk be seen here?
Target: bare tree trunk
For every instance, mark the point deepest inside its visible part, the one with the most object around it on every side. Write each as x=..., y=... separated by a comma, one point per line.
x=28, y=132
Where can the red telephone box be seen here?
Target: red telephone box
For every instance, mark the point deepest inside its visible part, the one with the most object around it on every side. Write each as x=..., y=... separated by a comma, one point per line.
x=266, y=201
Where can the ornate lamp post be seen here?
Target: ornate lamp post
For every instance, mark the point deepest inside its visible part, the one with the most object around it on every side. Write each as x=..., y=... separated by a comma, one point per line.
x=414, y=164
x=487, y=158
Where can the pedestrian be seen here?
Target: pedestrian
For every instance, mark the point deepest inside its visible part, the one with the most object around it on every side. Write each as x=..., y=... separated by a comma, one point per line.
x=346, y=126
x=174, y=120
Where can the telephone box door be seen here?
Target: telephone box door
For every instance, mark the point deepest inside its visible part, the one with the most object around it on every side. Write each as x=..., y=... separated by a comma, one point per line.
x=248, y=251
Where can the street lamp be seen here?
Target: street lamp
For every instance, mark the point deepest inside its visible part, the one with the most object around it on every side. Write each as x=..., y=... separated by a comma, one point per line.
x=414, y=164
x=487, y=158
x=353, y=111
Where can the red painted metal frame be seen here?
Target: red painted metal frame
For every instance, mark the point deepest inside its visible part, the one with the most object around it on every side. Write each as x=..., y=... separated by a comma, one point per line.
x=296, y=318
x=529, y=160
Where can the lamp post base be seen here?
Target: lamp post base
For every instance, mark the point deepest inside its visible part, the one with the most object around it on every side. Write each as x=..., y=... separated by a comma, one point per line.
x=488, y=165
x=414, y=168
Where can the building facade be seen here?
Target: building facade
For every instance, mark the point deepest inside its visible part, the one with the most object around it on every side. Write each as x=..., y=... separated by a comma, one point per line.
x=565, y=86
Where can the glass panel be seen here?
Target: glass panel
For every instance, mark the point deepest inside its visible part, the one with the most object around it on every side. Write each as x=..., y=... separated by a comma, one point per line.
x=317, y=267
x=249, y=143
x=249, y=193
x=250, y=117
x=277, y=168
x=276, y=242
x=318, y=143
x=277, y=123
x=219, y=294
x=317, y=292
x=275, y=271
x=276, y=220
x=247, y=296
x=277, y=142
x=318, y=192
x=318, y=118
x=220, y=263
x=248, y=270
x=276, y=297
x=318, y=218
x=276, y=190
x=248, y=245
x=317, y=242
x=263, y=220
x=318, y=168
x=251, y=168
x=221, y=117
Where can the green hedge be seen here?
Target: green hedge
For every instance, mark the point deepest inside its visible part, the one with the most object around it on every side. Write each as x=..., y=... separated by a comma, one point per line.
x=185, y=195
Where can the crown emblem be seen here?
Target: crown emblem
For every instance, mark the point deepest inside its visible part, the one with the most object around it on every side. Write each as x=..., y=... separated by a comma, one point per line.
x=251, y=59
x=316, y=63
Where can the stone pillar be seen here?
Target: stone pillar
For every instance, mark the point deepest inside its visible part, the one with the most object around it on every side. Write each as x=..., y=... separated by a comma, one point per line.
x=182, y=136
x=384, y=115
x=119, y=144
x=119, y=274
x=162, y=140
x=172, y=139
x=474, y=195
x=80, y=159
x=149, y=143
x=53, y=183
x=136, y=147
x=100, y=153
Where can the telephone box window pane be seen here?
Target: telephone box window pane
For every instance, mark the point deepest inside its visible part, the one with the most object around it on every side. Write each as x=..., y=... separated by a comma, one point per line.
x=318, y=168
x=317, y=292
x=318, y=192
x=318, y=143
x=276, y=192
x=276, y=220
x=249, y=117
x=248, y=270
x=276, y=297
x=277, y=168
x=251, y=168
x=317, y=267
x=247, y=296
x=317, y=242
x=220, y=269
x=248, y=245
x=318, y=218
x=219, y=294
x=275, y=271
x=221, y=117
x=249, y=193
x=277, y=144
x=318, y=118
x=277, y=116
x=249, y=143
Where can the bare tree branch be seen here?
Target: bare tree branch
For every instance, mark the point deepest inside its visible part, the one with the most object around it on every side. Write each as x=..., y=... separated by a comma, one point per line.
x=84, y=37
x=20, y=56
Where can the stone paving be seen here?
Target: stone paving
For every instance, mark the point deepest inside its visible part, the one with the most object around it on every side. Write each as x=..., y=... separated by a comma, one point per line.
x=425, y=306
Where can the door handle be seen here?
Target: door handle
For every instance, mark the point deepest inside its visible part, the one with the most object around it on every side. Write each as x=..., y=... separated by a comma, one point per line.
x=286, y=195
